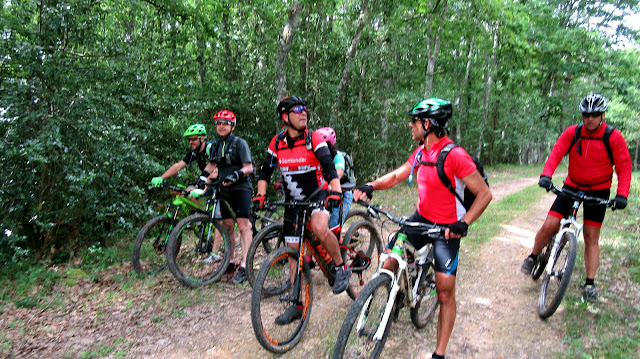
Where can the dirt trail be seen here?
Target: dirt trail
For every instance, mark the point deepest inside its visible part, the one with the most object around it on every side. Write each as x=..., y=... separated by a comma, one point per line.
x=496, y=313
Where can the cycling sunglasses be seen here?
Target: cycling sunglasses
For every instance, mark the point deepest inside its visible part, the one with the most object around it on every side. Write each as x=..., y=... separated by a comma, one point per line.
x=298, y=109
x=593, y=114
x=224, y=122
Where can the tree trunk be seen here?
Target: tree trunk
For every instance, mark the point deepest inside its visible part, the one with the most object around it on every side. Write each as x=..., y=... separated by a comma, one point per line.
x=490, y=71
x=351, y=54
x=432, y=52
x=284, y=46
x=462, y=85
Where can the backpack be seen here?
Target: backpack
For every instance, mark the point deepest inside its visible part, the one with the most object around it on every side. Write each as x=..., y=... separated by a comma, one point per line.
x=349, y=176
x=469, y=197
x=212, y=151
x=604, y=138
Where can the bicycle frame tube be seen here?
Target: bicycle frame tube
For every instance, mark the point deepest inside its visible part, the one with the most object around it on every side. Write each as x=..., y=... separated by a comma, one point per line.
x=566, y=225
x=395, y=288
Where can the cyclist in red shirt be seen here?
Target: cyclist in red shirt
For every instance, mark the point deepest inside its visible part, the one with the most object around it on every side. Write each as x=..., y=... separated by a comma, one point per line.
x=436, y=204
x=307, y=170
x=590, y=171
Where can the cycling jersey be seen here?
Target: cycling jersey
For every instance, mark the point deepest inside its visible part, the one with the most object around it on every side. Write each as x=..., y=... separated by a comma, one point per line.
x=230, y=154
x=591, y=169
x=435, y=202
x=303, y=170
x=202, y=158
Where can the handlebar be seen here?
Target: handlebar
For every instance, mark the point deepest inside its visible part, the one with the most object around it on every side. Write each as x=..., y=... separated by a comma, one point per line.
x=430, y=230
x=580, y=196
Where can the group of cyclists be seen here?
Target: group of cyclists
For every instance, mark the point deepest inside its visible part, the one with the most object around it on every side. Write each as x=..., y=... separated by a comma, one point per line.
x=311, y=168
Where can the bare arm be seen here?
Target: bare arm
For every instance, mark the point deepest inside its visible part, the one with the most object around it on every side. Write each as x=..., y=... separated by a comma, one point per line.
x=477, y=186
x=174, y=169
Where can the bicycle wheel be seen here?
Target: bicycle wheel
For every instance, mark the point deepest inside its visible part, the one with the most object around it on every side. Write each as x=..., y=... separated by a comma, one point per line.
x=427, y=297
x=356, y=336
x=273, y=294
x=363, y=238
x=189, y=249
x=265, y=242
x=555, y=285
x=541, y=263
x=148, y=251
x=353, y=216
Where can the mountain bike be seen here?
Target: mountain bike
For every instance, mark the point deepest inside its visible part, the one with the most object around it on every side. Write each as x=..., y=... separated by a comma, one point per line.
x=192, y=242
x=270, y=238
x=366, y=327
x=277, y=286
x=557, y=259
x=149, y=248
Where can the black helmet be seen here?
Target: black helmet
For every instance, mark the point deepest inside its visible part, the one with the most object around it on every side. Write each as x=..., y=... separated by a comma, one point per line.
x=593, y=103
x=288, y=102
x=437, y=111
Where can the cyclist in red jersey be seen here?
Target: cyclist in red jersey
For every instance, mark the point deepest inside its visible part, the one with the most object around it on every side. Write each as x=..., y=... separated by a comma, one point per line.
x=436, y=204
x=590, y=171
x=307, y=169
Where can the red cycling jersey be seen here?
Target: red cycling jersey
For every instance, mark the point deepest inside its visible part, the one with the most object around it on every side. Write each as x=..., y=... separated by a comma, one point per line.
x=301, y=168
x=592, y=169
x=435, y=202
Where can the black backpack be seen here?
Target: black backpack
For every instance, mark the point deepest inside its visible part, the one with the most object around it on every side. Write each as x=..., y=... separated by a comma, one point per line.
x=469, y=197
x=604, y=138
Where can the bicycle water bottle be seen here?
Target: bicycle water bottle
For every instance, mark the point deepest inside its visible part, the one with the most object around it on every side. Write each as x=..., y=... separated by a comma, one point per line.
x=399, y=245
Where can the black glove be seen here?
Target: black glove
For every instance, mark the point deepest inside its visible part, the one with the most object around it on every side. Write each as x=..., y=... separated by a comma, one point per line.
x=366, y=189
x=545, y=182
x=233, y=177
x=334, y=199
x=459, y=227
x=620, y=202
x=258, y=201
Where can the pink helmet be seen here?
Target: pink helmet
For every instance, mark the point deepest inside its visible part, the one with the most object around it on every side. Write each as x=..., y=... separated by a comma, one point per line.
x=329, y=135
x=225, y=115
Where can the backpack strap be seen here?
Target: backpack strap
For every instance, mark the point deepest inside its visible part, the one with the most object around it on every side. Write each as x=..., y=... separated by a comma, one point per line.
x=440, y=168
x=605, y=138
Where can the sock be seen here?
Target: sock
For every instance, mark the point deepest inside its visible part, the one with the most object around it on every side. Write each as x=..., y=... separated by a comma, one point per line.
x=534, y=256
x=588, y=282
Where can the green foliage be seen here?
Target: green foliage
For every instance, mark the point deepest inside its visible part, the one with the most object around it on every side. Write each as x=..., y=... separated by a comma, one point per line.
x=95, y=95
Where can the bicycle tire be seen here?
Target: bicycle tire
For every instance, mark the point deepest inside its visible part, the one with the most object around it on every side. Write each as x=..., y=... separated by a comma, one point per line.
x=185, y=258
x=427, y=303
x=353, y=216
x=265, y=242
x=369, y=308
x=363, y=237
x=541, y=263
x=148, y=254
x=269, y=299
x=565, y=260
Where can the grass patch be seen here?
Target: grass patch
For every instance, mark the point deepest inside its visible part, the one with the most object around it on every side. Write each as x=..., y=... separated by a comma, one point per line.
x=610, y=328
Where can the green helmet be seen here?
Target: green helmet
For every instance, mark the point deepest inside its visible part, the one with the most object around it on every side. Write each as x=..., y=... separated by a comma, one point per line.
x=197, y=129
x=436, y=110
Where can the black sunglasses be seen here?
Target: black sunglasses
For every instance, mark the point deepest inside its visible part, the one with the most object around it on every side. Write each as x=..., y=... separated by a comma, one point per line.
x=593, y=114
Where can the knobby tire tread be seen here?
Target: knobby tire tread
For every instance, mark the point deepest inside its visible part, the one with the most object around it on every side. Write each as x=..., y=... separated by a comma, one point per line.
x=546, y=311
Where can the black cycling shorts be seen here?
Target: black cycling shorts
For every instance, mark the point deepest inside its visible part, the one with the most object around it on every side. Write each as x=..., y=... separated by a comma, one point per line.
x=593, y=213
x=445, y=251
x=290, y=232
x=240, y=202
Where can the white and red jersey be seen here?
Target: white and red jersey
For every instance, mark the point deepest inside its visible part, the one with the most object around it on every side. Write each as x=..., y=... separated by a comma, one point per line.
x=435, y=202
x=592, y=169
x=301, y=167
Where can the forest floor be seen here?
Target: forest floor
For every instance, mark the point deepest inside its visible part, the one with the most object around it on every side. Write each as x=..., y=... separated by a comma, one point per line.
x=121, y=315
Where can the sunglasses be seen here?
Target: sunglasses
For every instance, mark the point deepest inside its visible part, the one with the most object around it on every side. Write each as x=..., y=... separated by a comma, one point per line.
x=220, y=123
x=298, y=109
x=415, y=119
x=193, y=139
x=593, y=114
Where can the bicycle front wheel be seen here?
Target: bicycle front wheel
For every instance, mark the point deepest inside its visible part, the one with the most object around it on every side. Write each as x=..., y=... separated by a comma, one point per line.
x=148, y=251
x=265, y=242
x=555, y=285
x=273, y=298
x=190, y=247
x=365, y=245
x=357, y=334
x=541, y=263
x=427, y=297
